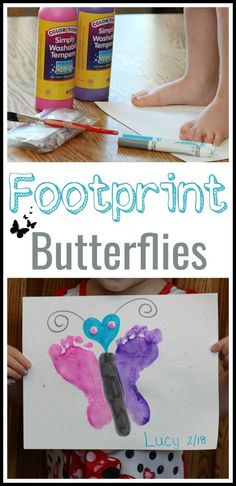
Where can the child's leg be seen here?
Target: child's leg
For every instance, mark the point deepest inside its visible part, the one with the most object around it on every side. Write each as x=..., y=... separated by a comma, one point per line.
x=212, y=125
x=199, y=84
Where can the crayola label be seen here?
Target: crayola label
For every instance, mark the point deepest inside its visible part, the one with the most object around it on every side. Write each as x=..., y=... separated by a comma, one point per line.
x=56, y=60
x=94, y=50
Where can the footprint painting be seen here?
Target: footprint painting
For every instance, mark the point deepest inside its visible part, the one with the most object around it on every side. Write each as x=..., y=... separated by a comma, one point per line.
x=104, y=332
x=135, y=352
x=110, y=382
x=80, y=367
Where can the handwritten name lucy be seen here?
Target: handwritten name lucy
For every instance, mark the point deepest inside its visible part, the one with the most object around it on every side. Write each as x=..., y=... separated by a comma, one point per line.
x=155, y=442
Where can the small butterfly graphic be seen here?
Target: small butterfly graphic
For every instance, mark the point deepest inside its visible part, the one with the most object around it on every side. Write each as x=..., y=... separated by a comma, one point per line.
x=31, y=225
x=20, y=232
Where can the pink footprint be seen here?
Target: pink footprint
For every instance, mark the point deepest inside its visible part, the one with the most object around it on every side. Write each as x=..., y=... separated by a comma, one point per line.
x=80, y=367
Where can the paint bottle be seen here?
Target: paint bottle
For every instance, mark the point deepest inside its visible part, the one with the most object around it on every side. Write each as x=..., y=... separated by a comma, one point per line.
x=94, y=53
x=56, y=53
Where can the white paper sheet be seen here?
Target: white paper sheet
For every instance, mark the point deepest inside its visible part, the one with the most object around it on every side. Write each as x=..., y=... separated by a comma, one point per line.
x=160, y=122
x=180, y=385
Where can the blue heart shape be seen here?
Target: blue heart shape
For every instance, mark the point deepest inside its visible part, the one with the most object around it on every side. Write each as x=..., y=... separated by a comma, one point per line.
x=102, y=331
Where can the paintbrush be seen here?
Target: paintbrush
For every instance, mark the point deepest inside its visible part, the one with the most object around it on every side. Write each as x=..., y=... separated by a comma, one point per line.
x=18, y=117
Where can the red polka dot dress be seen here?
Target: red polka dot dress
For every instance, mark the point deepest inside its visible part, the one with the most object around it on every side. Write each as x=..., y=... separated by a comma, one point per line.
x=127, y=464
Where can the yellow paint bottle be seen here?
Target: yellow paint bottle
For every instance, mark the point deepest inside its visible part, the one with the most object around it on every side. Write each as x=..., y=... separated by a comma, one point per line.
x=94, y=53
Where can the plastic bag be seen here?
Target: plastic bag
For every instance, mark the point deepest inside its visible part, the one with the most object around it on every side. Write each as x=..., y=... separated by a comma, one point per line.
x=41, y=138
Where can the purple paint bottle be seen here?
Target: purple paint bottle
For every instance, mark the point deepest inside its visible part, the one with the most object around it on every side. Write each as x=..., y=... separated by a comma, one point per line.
x=56, y=52
x=94, y=53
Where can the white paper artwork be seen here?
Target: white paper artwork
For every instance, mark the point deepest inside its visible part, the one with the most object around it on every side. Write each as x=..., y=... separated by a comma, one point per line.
x=123, y=372
x=162, y=122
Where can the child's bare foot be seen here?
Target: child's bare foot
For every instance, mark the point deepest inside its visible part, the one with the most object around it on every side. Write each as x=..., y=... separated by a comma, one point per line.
x=211, y=126
x=188, y=90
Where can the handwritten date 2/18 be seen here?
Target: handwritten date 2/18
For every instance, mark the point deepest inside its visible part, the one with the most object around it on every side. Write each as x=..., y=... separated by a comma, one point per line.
x=195, y=440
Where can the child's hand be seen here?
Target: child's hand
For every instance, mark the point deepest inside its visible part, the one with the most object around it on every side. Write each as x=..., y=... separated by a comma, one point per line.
x=222, y=347
x=17, y=365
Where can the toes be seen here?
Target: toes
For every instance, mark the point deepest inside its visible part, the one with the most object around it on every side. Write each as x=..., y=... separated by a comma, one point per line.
x=184, y=130
x=209, y=138
x=78, y=339
x=135, y=332
x=145, y=98
x=67, y=342
x=183, y=136
x=55, y=350
x=132, y=331
x=156, y=336
x=88, y=345
x=140, y=93
x=132, y=336
x=143, y=330
x=191, y=133
x=198, y=135
x=136, y=98
x=218, y=138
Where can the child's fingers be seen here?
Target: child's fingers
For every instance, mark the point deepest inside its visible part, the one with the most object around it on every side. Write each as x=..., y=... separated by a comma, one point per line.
x=224, y=351
x=217, y=347
x=225, y=361
x=11, y=381
x=222, y=347
x=16, y=366
x=13, y=374
x=15, y=353
x=224, y=356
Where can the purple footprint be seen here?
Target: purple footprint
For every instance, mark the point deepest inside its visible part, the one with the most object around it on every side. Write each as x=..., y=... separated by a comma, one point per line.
x=136, y=351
